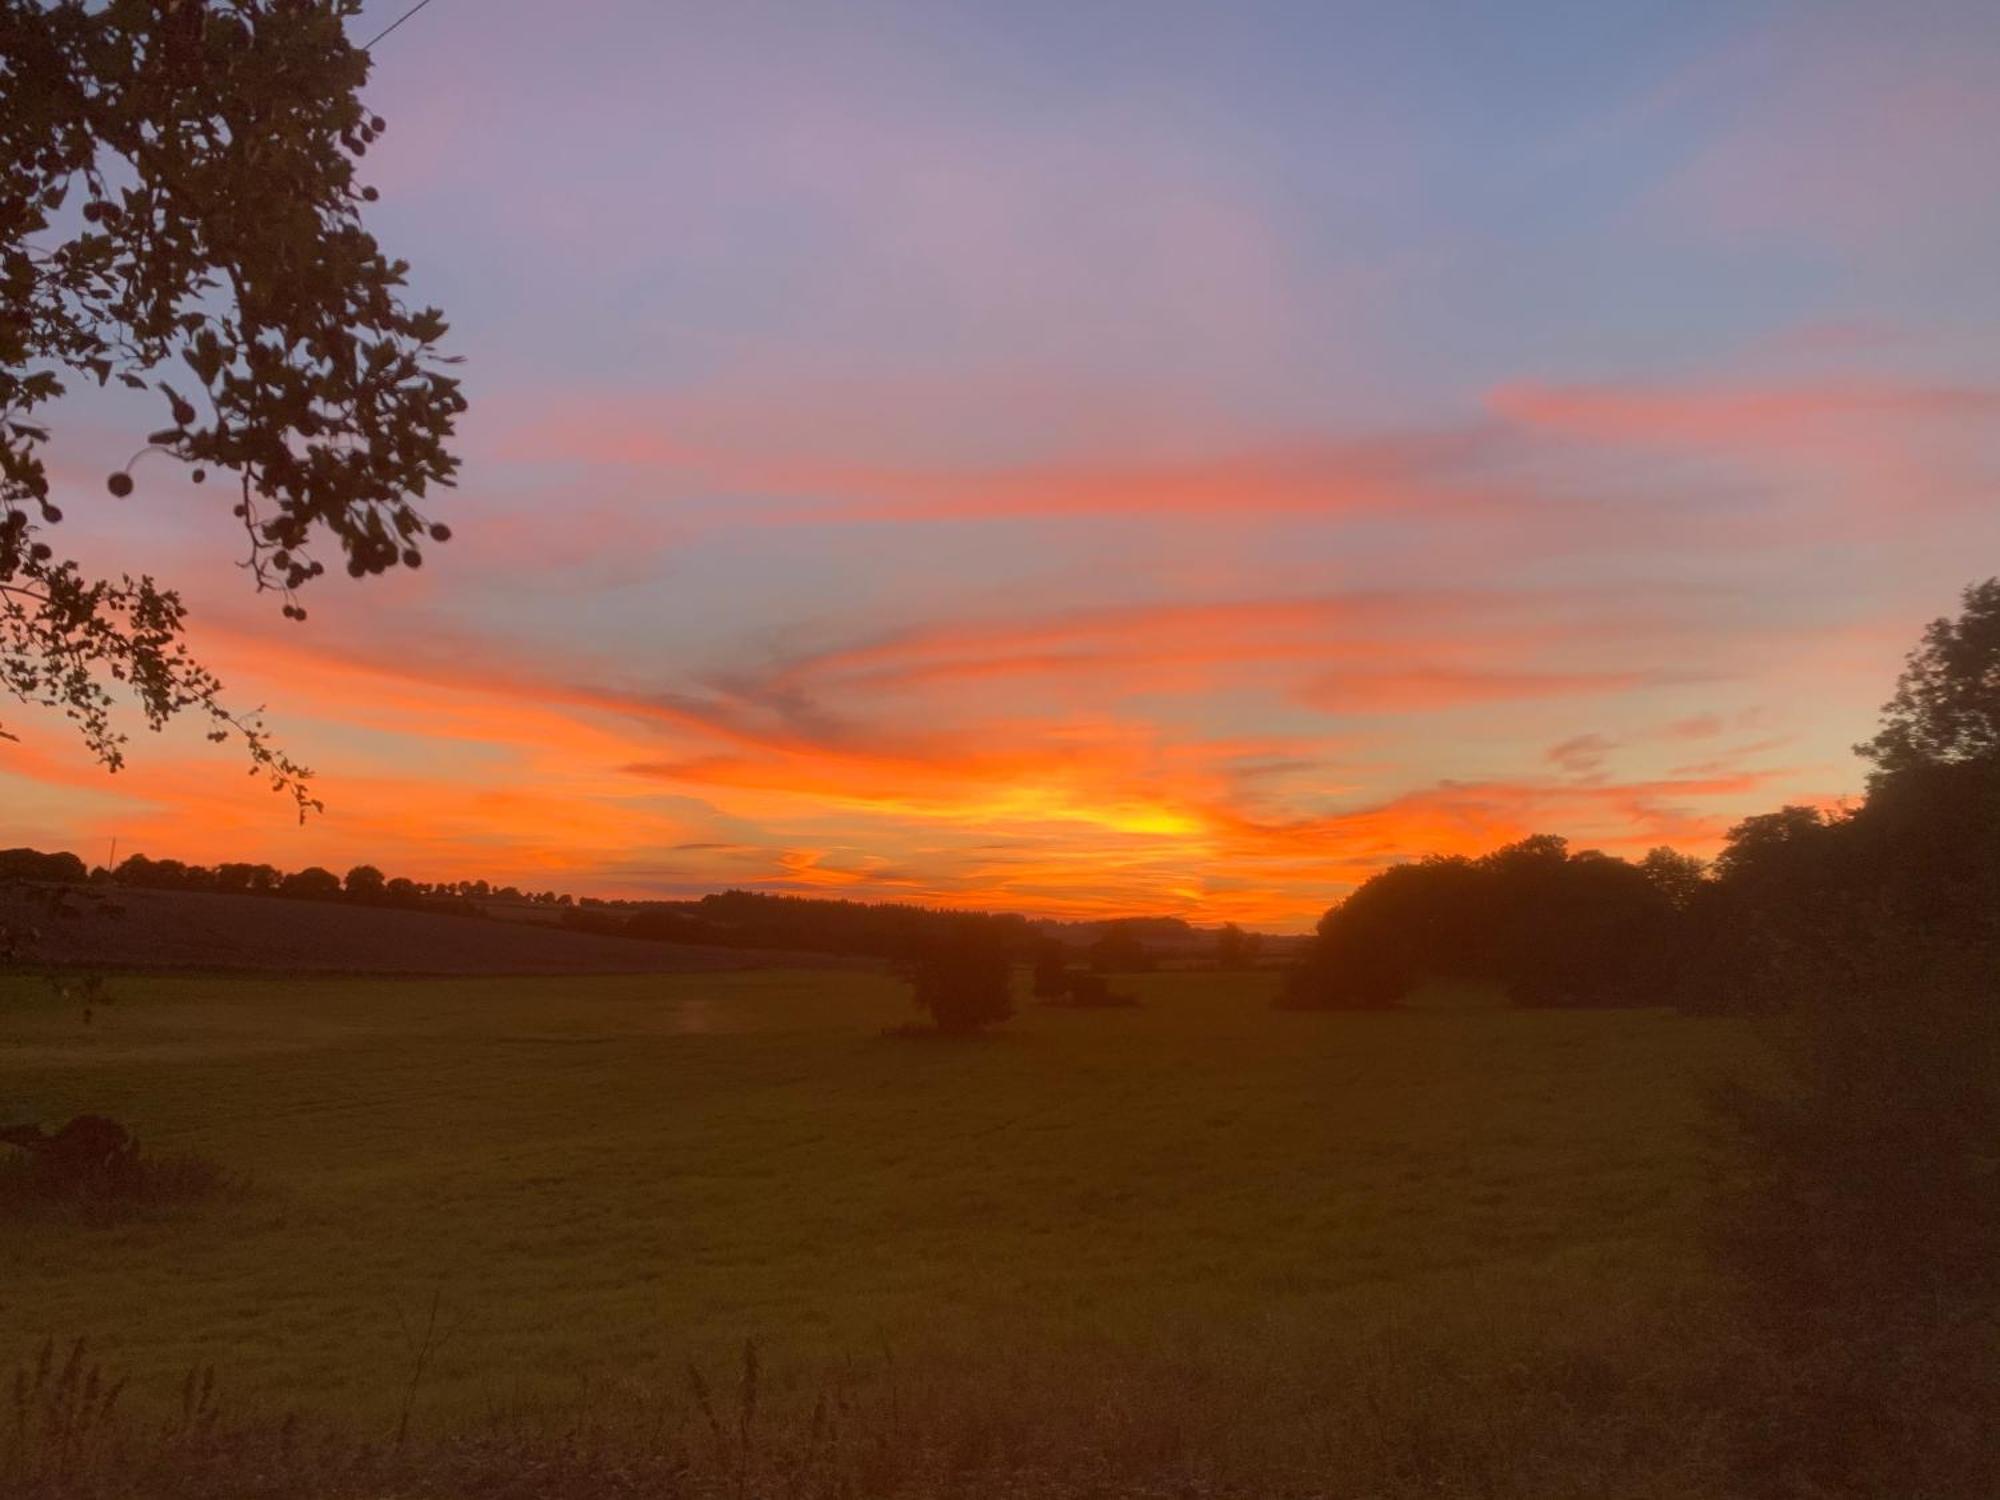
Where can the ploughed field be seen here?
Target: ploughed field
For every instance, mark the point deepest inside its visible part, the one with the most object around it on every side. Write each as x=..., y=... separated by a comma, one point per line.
x=212, y=931
x=599, y=1180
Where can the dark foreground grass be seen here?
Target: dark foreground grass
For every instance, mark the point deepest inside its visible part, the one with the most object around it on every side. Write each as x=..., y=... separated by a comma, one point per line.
x=32, y=1198
x=1186, y=1247
x=1580, y=1416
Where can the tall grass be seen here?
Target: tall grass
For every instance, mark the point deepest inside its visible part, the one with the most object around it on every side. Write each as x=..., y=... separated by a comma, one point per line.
x=1626, y=1406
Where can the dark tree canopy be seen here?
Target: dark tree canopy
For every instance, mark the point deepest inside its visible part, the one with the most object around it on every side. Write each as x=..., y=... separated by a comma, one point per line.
x=1947, y=705
x=1547, y=926
x=365, y=883
x=61, y=867
x=180, y=214
x=963, y=978
x=1793, y=909
x=313, y=883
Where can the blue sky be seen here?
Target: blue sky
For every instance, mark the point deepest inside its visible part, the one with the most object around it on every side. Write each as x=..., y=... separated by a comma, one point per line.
x=1125, y=457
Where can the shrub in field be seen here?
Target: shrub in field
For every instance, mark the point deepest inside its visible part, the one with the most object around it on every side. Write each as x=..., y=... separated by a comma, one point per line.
x=1093, y=992
x=59, y=867
x=963, y=978
x=94, y=1163
x=89, y=1154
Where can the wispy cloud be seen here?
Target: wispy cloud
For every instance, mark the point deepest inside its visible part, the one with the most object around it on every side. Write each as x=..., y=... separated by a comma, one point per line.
x=961, y=454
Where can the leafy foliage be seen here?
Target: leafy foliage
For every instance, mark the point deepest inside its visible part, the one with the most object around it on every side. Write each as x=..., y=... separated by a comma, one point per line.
x=180, y=194
x=365, y=883
x=94, y=1164
x=1947, y=705
x=1548, y=926
x=963, y=979
x=313, y=883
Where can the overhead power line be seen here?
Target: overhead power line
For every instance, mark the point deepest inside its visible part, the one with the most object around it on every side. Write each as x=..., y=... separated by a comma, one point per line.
x=365, y=46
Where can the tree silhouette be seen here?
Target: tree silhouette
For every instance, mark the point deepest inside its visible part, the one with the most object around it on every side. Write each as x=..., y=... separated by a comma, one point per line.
x=246, y=877
x=180, y=213
x=365, y=883
x=60, y=867
x=1864, y=1227
x=312, y=883
x=1234, y=948
x=963, y=979
x=1677, y=877
x=1547, y=926
x=1947, y=705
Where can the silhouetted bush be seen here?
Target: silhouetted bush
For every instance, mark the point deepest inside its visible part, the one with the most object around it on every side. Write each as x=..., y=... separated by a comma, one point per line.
x=365, y=883
x=963, y=979
x=311, y=884
x=94, y=1163
x=1550, y=927
x=60, y=867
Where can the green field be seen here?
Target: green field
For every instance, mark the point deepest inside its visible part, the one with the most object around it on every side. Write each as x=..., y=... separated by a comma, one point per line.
x=603, y=1178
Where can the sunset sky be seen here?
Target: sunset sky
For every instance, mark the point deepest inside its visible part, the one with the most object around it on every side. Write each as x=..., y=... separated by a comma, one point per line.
x=1115, y=458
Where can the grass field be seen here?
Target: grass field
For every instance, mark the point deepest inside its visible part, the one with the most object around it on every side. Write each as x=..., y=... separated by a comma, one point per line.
x=600, y=1179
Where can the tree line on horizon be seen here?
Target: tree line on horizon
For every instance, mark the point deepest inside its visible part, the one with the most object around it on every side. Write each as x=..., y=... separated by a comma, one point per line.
x=898, y=931
x=1854, y=1216
x=1753, y=930
x=1787, y=908
x=364, y=884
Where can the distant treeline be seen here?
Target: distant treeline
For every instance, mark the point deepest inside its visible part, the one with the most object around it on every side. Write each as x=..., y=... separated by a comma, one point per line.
x=1796, y=900
x=895, y=930
x=750, y=919
x=363, y=883
x=729, y=919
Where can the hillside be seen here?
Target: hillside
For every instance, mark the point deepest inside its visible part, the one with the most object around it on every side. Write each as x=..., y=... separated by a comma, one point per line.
x=140, y=929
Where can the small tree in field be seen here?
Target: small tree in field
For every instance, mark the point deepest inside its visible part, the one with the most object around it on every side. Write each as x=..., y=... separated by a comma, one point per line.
x=964, y=980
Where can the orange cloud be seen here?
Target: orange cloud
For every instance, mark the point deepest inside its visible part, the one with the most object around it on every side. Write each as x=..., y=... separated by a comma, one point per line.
x=660, y=436
x=890, y=766
x=1422, y=688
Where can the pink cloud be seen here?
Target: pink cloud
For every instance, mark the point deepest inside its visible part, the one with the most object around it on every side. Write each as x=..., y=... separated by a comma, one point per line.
x=1789, y=419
